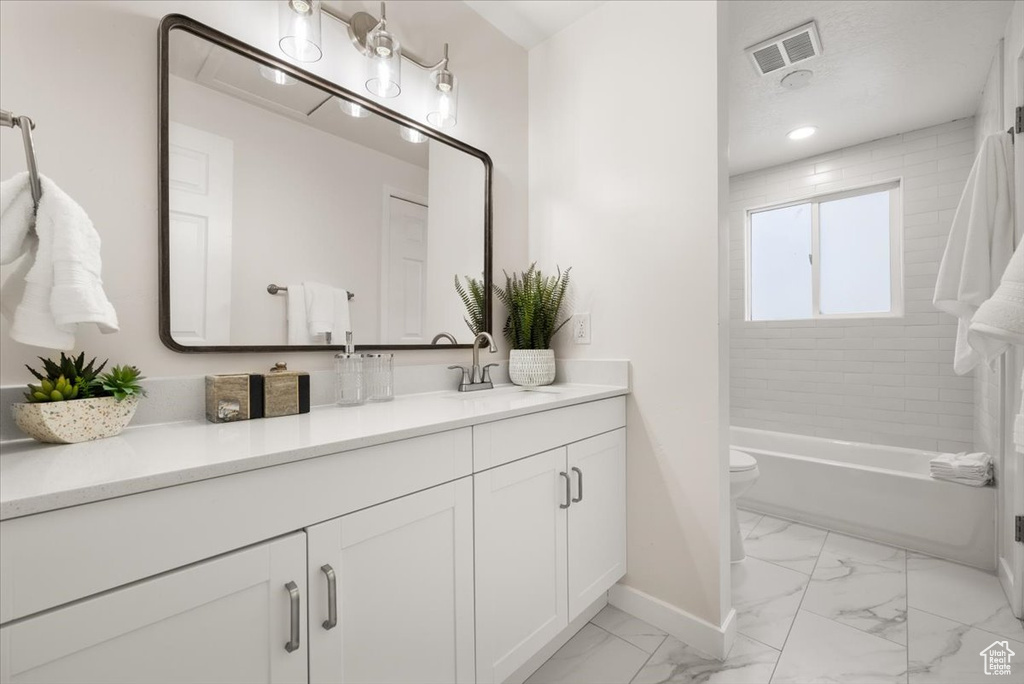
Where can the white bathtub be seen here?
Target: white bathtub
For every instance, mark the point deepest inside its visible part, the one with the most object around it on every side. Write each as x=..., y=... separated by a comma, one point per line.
x=875, y=492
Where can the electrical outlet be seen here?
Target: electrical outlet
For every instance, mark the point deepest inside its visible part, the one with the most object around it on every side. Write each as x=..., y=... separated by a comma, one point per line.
x=581, y=328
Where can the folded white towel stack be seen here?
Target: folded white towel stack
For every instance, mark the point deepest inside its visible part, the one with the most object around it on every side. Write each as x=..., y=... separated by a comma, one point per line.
x=969, y=469
x=57, y=283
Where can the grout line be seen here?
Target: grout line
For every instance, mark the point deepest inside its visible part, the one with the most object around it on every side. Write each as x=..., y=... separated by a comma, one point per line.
x=906, y=589
x=799, y=606
x=649, y=656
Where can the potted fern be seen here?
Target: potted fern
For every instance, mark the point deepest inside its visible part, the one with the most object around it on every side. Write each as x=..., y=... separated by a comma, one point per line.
x=534, y=302
x=472, y=295
x=75, y=401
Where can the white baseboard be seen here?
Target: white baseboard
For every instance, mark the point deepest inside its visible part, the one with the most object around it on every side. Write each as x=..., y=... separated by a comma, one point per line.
x=714, y=640
x=1012, y=592
x=540, y=657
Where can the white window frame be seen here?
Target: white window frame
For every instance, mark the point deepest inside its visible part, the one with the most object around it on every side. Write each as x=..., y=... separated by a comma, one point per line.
x=895, y=187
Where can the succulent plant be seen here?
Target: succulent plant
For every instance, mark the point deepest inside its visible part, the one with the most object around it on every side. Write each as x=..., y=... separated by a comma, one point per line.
x=69, y=378
x=122, y=382
x=48, y=390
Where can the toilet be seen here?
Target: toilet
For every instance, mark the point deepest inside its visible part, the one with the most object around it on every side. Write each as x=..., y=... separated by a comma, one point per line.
x=743, y=474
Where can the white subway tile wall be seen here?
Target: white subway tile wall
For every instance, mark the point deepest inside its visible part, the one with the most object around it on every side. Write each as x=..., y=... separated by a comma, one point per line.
x=879, y=380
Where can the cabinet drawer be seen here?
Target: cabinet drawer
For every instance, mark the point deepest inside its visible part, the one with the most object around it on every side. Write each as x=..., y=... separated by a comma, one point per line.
x=52, y=558
x=507, y=440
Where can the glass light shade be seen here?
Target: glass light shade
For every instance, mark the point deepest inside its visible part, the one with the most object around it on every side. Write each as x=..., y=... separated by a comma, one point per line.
x=352, y=109
x=299, y=29
x=444, y=106
x=383, y=64
x=412, y=135
x=276, y=76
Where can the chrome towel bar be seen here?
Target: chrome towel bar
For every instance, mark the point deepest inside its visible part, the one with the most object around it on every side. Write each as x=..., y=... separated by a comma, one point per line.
x=25, y=124
x=274, y=289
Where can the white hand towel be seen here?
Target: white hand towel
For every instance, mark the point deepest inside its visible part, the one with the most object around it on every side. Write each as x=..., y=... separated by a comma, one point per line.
x=999, y=322
x=319, y=308
x=62, y=286
x=980, y=243
x=298, y=329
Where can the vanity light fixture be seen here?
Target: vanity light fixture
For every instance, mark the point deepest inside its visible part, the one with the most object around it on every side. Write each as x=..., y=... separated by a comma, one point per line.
x=299, y=29
x=802, y=132
x=412, y=135
x=352, y=109
x=276, y=76
x=383, y=60
x=445, y=97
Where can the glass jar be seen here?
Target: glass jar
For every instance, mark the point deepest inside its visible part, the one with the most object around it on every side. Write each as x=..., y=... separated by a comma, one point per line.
x=348, y=379
x=379, y=376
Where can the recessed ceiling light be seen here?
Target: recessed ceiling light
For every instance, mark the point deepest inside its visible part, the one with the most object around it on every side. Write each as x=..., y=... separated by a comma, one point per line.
x=802, y=132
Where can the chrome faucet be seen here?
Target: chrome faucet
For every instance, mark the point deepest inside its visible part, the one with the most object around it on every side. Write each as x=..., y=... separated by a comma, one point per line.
x=476, y=378
x=443, y=335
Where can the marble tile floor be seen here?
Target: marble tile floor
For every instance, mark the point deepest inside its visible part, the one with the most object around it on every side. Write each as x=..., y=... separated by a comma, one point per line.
x=815, y=606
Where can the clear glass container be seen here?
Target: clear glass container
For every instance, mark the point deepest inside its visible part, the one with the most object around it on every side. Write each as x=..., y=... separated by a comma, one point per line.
x=348, y=379
x=379, y=376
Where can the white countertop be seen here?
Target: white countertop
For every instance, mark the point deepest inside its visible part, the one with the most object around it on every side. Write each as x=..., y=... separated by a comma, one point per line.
x=36, y=477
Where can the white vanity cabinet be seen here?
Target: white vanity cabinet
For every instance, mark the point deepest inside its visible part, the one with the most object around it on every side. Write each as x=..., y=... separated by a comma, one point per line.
x=229, y=619
x=391, y=591
x=450, y=557
x=550, y=530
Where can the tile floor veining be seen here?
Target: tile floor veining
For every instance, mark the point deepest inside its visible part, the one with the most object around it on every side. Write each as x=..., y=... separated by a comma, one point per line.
x=815, y=606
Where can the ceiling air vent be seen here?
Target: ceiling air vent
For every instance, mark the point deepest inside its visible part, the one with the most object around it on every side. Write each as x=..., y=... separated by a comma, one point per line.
x=786, y=49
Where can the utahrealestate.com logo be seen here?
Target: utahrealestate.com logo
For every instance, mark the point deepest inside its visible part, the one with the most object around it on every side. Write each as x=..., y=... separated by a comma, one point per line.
x=997, y=658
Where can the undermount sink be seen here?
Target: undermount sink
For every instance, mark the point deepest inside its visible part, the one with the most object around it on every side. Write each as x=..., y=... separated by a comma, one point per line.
x=501, y=391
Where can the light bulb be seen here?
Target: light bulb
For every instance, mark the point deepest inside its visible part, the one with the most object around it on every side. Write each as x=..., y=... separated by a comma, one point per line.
x=412, y=135
x=299, y=29
x=353, y=109
x=445, y=99
x=276, y=76
x=384, y=64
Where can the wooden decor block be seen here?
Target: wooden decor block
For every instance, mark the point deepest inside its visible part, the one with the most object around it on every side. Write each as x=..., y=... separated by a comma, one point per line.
x=237, y=396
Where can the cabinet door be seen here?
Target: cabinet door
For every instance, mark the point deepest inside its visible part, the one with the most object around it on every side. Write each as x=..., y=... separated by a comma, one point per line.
x=223, y=620
x=520, y=561
x=403, y=574
x=597, y=517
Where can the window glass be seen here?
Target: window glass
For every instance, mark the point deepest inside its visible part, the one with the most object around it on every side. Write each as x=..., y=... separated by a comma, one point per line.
x=780, y=267
x=854, y=246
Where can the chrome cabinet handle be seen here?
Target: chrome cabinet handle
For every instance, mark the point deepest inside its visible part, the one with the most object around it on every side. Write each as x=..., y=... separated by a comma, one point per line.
x=568, y=490
x=293, y=594
x=332, y=597
x=579, y=474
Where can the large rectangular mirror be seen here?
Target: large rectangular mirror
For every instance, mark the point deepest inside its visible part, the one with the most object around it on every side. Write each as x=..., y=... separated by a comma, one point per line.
x=292, y=210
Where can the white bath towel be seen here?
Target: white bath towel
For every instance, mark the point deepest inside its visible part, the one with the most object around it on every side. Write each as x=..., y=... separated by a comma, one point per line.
x=298, y=329
x=327, y=313
x=980, y=243
x=58, y=283
x=999, y=322
x=972, y=469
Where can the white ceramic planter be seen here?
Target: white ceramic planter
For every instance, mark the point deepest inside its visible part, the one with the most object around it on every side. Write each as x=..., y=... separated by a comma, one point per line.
x=531, y=367
x=78, y=420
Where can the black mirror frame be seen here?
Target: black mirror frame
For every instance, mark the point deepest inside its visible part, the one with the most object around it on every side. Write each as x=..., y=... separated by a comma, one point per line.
x=183, y=23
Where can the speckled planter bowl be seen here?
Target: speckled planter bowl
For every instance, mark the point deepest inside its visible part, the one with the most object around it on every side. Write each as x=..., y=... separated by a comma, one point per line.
x=531, y=367
x=78, y=420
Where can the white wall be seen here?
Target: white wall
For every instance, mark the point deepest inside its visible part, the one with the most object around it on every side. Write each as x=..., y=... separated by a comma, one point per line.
x=624, y=187
x=279, y=235
x=87, y=73
x=884, y=381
